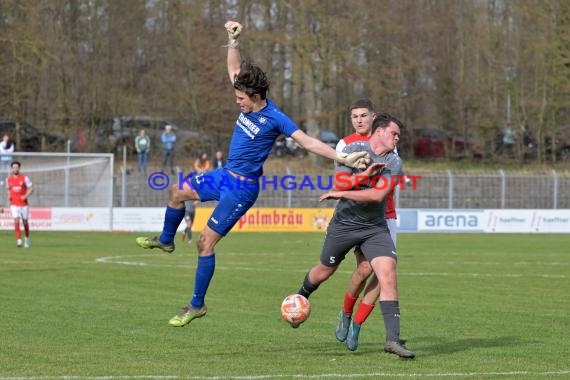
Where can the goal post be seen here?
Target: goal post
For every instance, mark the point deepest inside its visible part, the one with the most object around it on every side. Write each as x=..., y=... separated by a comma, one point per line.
x=66, y=179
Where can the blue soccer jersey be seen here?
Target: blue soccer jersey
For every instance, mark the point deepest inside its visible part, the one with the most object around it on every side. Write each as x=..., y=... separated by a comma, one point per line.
x=254, y=136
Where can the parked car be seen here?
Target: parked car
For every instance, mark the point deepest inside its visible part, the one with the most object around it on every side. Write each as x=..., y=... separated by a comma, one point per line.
x=288, y=146
x=121, y=131
x=461, y=147
x=330, y=138
x=31, y=138
x=428, y=143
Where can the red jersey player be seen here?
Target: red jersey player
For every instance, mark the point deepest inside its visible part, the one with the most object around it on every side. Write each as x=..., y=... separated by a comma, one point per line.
x=19, y=189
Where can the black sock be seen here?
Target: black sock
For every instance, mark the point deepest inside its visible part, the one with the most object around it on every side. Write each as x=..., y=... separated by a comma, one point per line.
x=391, y=313
x=307, y=287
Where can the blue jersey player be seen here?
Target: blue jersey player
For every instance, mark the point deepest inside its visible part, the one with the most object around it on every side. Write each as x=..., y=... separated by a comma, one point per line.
x=236, y=186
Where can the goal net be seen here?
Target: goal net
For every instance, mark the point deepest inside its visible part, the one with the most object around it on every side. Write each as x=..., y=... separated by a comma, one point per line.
x=65, y=179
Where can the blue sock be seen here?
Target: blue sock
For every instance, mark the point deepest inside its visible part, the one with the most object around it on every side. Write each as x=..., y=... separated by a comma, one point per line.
x=172, y=219
x=204, y=273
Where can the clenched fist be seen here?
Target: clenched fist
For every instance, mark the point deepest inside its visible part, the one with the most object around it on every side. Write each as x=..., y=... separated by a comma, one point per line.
x=234, y=29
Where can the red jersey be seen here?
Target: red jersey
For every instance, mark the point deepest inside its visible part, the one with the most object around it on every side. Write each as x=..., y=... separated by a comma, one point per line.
x=390, y=206
x=350, y=139
x=18, y=186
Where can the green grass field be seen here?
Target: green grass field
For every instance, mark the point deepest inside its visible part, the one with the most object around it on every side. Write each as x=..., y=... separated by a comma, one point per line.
x=86, y=305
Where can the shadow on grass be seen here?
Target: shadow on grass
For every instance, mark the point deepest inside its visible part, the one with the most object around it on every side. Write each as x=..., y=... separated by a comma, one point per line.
x=323, y=348
x=445, y=347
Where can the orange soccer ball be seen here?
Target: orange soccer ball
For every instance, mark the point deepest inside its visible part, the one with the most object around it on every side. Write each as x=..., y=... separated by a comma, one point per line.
x=295, y=309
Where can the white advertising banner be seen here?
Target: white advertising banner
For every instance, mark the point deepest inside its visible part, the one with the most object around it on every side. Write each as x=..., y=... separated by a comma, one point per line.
x=554, y=221
x=62, y=219
x=80, y=219
x=141, y=219
x=38, y=218
x=450, y=220
x=150, y=219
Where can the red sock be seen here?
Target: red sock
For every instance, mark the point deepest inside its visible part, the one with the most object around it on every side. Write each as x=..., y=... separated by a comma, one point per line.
x=364, y=310
x=18, y=232
x=349, y=301
x=27, y=230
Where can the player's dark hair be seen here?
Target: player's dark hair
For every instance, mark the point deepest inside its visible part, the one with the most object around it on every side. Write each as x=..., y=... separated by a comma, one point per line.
x=383, y=120
x=363, y=103
x=251, y=80
x=17, y=163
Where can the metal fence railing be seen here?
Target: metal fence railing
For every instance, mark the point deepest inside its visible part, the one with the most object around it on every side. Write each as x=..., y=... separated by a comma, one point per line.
x=497, y=190
x=91, y=180
x=445, y=189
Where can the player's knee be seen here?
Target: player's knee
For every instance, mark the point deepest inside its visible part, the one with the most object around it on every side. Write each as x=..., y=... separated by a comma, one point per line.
x=205, y=244
x=322, y=272
x=363, y=270
x=202, y=241
x=173, y=191
x=176, y=195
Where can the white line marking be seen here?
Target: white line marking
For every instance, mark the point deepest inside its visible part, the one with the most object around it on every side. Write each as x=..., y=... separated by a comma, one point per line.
x=496, y=263
x=121, y=260
x=484, y=275
x=304, y=376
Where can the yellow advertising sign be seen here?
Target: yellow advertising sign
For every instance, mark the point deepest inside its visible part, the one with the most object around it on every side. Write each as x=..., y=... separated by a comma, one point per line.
x=274, y=219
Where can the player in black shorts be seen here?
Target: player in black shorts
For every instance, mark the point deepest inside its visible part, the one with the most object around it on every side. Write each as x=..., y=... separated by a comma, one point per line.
x=359, y=220
x=189, y=215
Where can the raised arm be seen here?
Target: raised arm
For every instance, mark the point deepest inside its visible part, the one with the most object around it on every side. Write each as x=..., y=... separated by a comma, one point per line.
x=354, y=160
x=234, y=29
x=366, y=195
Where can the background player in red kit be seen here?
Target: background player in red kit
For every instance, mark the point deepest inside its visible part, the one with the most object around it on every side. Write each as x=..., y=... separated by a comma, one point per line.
x=19, y=189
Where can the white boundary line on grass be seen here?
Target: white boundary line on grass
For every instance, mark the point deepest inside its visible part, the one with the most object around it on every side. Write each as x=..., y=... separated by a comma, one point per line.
x=496, y=263
x=303, y=376
x=121, y=260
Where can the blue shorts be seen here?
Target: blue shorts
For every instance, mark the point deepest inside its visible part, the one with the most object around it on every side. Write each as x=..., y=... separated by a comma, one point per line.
x=235, y=196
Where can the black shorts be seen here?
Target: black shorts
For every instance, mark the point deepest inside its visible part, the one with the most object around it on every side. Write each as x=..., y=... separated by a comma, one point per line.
x=374, y=241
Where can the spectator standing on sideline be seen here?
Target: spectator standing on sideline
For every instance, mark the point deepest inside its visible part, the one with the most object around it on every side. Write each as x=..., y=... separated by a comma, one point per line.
x=219, y=161
x=6, y=151
x=19, y=188
x=258, y=125
x=168, y=141
x=142, y=145
x=509, y=139
x=202, y=164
